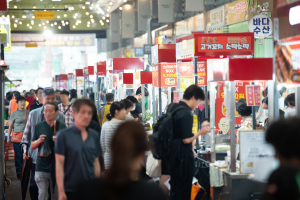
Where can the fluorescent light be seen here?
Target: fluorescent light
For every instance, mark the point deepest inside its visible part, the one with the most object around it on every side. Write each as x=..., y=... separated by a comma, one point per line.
x=294, y=15
x=88, y=3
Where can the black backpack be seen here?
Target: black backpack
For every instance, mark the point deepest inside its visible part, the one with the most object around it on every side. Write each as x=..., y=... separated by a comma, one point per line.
x=162, y=137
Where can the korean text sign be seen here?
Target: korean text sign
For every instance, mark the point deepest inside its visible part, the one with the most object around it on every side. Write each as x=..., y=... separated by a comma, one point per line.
x=253, y=95
x=165, y=75
x=225, y=44
x=186, y=70
x=261, y=25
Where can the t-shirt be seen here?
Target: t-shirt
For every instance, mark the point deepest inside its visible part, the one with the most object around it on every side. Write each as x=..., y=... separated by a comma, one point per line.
x=138, y=110
x=79, y=155
x=43, y=163
x=137, y=190
x=31, y=101
x=35, y=105
x=13, y=105
x=19, y=118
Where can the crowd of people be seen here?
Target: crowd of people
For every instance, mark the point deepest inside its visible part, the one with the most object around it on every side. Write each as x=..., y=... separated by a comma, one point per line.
x=90, y=154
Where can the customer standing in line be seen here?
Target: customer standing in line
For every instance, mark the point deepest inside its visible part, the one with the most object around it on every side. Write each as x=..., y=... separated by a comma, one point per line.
x=66, y=108
x=45, y=136
x=137, y=113
x=128, y=107
x=17, y=122
x=134, y=102
x=77, y=152
x=182, y=156
x=116, y=117
x=121, y=181
x=106, y=108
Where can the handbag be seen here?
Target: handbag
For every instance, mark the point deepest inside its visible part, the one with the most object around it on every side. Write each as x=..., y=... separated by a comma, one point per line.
x=153, y=166
x=45, y=149
x=17, y=136
x=198, y=192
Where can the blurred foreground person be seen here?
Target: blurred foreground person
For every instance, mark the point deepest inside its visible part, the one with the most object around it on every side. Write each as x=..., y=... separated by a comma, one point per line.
x=77, y=152
x=289, y=102
x=128, y=148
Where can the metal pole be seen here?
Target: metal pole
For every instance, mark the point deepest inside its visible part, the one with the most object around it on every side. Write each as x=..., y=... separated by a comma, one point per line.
x=153, y=104
x=231, y=109
x=159, y=101
x=2, y=157
x=297, y=101
x=196, y=83
x=253, y=115
x=143, y=101
x=212, y=120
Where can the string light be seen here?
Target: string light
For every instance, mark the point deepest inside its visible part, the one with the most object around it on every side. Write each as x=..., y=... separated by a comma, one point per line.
x=13, y=16
x=107, y=20
x=15, y=25
x=110, y=3
x=83, y=7
x=59, y=27
x=103, y=18
x=16, y=20
x=91, y=16
x=87, y=13
x=52, y=25
x=33, y=17
x=107, y=15
x=24, y=16
x=30, y=27
x=15, y=6
x=47, y=22
x=40, y=25
x=88, y=25
x=62, y=21
x=45, y=27
x=58, y=17
x=55, y=23
x=43, y=23
x=67, y=23
x=65, y=15
x=91, y=8
x=20, y=22
x=74, y=26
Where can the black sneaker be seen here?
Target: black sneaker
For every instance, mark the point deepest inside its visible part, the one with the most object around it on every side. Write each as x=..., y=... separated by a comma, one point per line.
x=19, y=175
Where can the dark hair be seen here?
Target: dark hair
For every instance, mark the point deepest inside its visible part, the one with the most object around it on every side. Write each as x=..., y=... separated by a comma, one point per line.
x=128, y=143
x=290, y=99
x=92, y=96
x=139, y=91
x=285, y=180
x=265, y=100
x=127, y=103
x=132, y=99
x=115, y=106
x=56, y=91
x=65, y=92
x=204, y=120
x=282, y=90
x=48, y=92
x=80, y=102
x=53, y=104
x=95, y=115
x=20, y=98
x=16, y=93
x=73, y=94
x=109, y=97
x=242, y=108
x=38, y=90
x=265, y=92
x=287, y=146
x=193, y=91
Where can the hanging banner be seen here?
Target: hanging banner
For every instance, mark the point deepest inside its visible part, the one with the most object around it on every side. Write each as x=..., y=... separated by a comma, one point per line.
x=236, y=12
x=44, y=15
x=165, y=75
x=202, y=73
x=186, y=69
x=217, y=16
x=253, y=95
x=261, y=25
x=3, y=5
x=194, y=5
x=165, y=11
x=214, y=29
x=114, y=29
x=176, y=98
x=128, y=21
x=287, y=63
x=144, y=13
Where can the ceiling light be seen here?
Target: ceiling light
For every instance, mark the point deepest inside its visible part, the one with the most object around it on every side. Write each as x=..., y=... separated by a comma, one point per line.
x=107, y=20
x=53, y=7
x=88, y=25
x=101, y=21
x=65, y=15
x=20, y=22
x=16, y=20
x=45, y=27
x=120, y=8
x=47, y=32
x=67, y=23
x=58, y=17
x=15, y=6
x=47, y=22
x=40, y=25
x=125, y=1
x=13, y=16
x=59, y=27
x=45, y=10
x=98, y=12
x=57, y=10
x=109, y=7
x=107, y=15
x=83, y=7
x=74, y=26
x=34, y=7
x=43, y=23
x=24, y=16
x=7, y=15
x=92, y=20
x=78, y=21
x=62, y=21
x=88, y=3
x=33, y=17
x=55, y=23
x=76, y=14
x=91, y=16
x=127, y=6
x=107, y=10
x=87, y=13
x=91, y=8
x=110, y=3
x=30, y=27
x=63, y=24
x=32, y=21
x=103, y=17
x=52, y=25
x=88, y=22
x=15, y=25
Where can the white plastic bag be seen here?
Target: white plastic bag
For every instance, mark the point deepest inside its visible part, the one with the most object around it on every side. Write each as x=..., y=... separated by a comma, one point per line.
x=153, y=166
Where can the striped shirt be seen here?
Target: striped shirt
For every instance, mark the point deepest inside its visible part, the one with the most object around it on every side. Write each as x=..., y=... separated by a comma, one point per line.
x=107, y=132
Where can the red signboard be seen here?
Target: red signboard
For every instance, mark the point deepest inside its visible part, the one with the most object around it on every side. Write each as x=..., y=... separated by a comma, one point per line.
x=165, y=75
x=3, y=5
x=127, y=63
x=146, y=77
x=250, y=95
x=202, y=73
x=78, y=72
x=101, y=68
x=186, y=69
x=127, y=78
x=257, y=99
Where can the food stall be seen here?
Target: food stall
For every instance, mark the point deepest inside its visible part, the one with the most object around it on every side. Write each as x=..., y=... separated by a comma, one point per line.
x=164, y=77
x=63, y=82
x=286, y=54
x=79, y=79
x=89, y=80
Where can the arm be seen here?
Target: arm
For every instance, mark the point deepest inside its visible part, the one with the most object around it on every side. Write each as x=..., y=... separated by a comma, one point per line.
x=203, y=131
x=36, y=143
x=60, y=161
x=97, y=168
x=11, y=124
x=102, y=140
x=26, y=136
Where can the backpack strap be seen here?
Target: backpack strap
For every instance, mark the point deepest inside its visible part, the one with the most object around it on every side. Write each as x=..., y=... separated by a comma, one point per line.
x=178, y=108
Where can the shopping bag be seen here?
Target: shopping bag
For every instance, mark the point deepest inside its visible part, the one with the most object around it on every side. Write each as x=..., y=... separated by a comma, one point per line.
x=153, y=166
x=16, y=137
x=195, y=189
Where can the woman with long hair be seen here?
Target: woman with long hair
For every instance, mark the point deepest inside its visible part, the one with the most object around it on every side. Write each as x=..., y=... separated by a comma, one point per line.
x=73, y=95
x=17, y=123
x=121, y=182
x=116, y=117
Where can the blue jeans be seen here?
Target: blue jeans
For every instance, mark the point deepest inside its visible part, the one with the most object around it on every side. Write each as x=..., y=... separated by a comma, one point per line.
x=18, y=157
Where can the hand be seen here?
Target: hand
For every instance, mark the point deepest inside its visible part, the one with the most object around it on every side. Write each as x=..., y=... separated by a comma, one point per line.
x=54, y=138
x=25, y=157
x=204, y=130
x=42, y=139
x=62, y=196
x=8, y=140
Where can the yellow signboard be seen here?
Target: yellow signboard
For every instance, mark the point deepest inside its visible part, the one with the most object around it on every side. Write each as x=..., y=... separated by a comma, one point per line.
x=236, y=12
x=44, y=15
x=34, y=44
x=5, y=32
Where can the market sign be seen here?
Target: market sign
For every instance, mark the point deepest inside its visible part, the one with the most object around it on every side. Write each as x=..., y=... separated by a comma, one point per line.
x=32, y=44
x=202, y=73
x=139, y=51
x=44, y=15
x=253, y=95
x=164, y=75
x=225, y=44
x=236, y=12
x=261, y=25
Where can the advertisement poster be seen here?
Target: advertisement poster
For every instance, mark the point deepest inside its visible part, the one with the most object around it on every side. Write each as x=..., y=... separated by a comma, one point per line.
x=236, y=12
x=186, y=69
x=115, y=80
x=202, y=73
x=253, y=93
x=185, y=83
x=261, y=25
x=176, y=96
x=287, y=64
x=217, y=16
x=164, y=75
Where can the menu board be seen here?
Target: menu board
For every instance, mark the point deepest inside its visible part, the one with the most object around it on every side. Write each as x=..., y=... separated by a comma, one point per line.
x=252, y=144
x=253, y=95
x=164, y=75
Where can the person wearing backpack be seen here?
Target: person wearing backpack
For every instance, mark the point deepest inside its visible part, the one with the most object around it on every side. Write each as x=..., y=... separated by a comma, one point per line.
x=66, y=108
x=181, y=157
